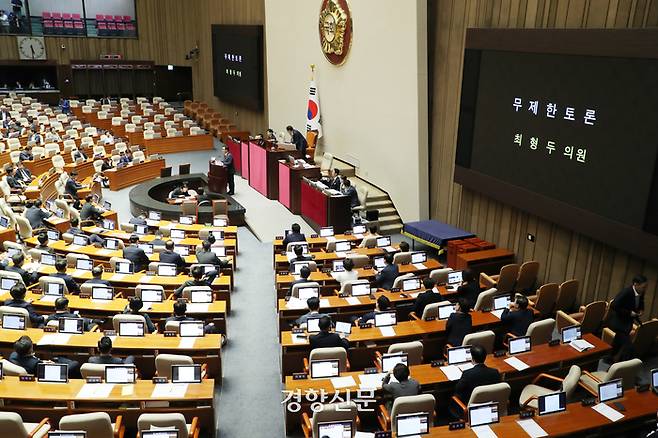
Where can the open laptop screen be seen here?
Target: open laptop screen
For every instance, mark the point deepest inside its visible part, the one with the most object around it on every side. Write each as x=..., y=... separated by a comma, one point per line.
x=413, y=424
x=550, y=403
x=480, y=415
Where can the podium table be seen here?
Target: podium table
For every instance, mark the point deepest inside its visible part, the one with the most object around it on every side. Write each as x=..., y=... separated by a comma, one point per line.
x=290, y=184
x=322, y=210
x=263, y=167
x=217, y=177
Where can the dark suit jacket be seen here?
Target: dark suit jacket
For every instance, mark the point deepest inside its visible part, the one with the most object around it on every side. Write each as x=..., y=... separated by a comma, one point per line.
x=72, y=187
x=517, y=321
x=98, y=281
x=227, y=161
x=28, y=278
x=621, y=307
x=299, y=141
x=459, y=325
x=479, y=375
x=294, y=237
x=24, y=175
x=353, y=195
x=35, y=216
x=334, y=183
x=106, y=360
x=14, y=183
x=173, y=258
x=137, y=221
x=325, y=339
x=137, y=257
x=401, y=389
x=35, y=318
x=71, y=285
x=210, y=258
x=90, y=212
x=425, y=298
x=27, y=362
x=470, y=291
x=301, y=258
x=387, y=276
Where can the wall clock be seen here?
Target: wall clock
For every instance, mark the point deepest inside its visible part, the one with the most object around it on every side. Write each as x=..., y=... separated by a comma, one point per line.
x=335, y=28
x=31, y=47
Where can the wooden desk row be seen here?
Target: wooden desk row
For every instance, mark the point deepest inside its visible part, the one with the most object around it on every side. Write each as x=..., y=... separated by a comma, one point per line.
x=324, y=259
x=173, y=145
x=318, y=243
x=132, y=174
x=541, y=359
x=79, y=347
x=102, y=309
x=37, y=400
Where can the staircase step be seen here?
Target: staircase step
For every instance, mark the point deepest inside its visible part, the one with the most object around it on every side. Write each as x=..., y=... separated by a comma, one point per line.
x=390, y=229
x=379, y=204
x=388, y=211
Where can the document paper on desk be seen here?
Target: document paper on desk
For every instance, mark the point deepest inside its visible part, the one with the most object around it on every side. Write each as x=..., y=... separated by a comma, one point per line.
x=54, y=339
x=483, y=432
x=371, y=381
x=104, y=252
x=452, y=372
x=364, y=435
x=169, y=390
x=353, y=301
x=580, y=345
x=78, y=273
x=117, y=277
x=516, y=363
x=198, y=307
x=420, y=266
x=497, y=313
x=48, y=298
x=299, y=339
x=186, y=342
x=387, y=331
x=343, y=382
x=295, y=303
x=608, y=412
x=531, y=427
x=95, y=390
x=146, y=278
x=324, y=302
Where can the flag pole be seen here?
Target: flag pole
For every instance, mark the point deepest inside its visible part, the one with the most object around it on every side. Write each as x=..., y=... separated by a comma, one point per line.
x=312, y=71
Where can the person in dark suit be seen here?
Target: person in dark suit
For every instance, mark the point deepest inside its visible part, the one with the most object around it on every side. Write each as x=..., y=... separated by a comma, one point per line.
x=334, y=182
x=94, y=239
x=17, y=267
x=404, y=386
x=313, y=305
x=459, y=323
x=383, y=304
x=105, y=357
x=71, y=285
x=180, y=191
x=325, y=338
x=17, y=300
x=14, y=183
x=180, y=314
x=295, y=235
x=206, y=256
x=158, y=241
x=517, y=317
x=427, y=297
x=79, y=154
x=479, y=375
x=169, y=256
x=62, y=311
x=134, y=307
x=97, y=277
x=23, y=356
x=350, y=191
x=137, y=220
x=625, y=309
x=304, y=273
x=42, y=243
x=299, y=255
x=227, y=162
x=470, y=288
x=387, y=276
x=22, y=174
x=89, y=211
x=298, y=139
x=72, y=186
x=135, y=254
x=35, y=214
x=26, y=154
x=198, y=279
x=202, y=196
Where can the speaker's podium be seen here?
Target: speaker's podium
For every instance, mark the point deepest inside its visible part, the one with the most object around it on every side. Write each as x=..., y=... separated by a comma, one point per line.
x=217, y=178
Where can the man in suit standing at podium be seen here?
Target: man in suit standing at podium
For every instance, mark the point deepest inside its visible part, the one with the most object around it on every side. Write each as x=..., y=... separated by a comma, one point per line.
x=227, y=162
x=298, y=139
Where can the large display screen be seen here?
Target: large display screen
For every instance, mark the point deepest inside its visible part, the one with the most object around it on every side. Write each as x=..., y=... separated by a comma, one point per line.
x=575, y=132
x=238, y=64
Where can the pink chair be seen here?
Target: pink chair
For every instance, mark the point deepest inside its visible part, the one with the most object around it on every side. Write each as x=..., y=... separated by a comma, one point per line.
x=76, y=16
x=109, y=18
x=121, y=27
x=78, y=26
x=118, y=18
x=111, y=26
x=130, y=27
x=101, y=27
x=57, y=15
x=127, y=18
x=45, y=15
x=47, y=24
x=66, y=16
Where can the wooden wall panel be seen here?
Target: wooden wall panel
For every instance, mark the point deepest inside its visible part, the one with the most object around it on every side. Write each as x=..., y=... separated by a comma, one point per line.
x=601, y=270
x=168, y=30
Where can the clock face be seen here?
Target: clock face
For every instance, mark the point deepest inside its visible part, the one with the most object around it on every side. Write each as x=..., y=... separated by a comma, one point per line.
x=31, y=47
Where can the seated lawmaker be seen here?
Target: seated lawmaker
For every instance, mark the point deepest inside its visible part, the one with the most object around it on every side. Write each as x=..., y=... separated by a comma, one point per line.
x=71, y=285
x=17, y=267
x=23, y=356
x=138, y=220
x=350, y=191
x=136, y=254
x=470, y=288
x=72, y=185
x=90, y=211
x=198, y=279
x=372, y=232
x=349, y=274
x=299, y=255
x=62, y=311
x=313, y=305
x=479, y=375
x=304, y=275
x=325, y=338
x=517, y=318
x=105, y=354
x=170, y=256
x=386, y=277
x=383, y=304
x=42, y=243
x=459, y=323
x=404, y=386
x=206, y=256
x=35, y=214
x=135, y=305
x=94, y=239
x=295, y=235
x=158, y=241
x=430, y=296
x=180, y=314
x=97, y=277
x=17, y=300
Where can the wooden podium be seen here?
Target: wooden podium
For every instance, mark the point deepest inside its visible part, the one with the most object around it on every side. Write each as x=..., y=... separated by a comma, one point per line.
x=217, y=178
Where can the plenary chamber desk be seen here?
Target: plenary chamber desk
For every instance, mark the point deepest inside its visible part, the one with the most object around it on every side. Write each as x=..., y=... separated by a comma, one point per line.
x=290, y=183
x=264, y=166
x=321, y=209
